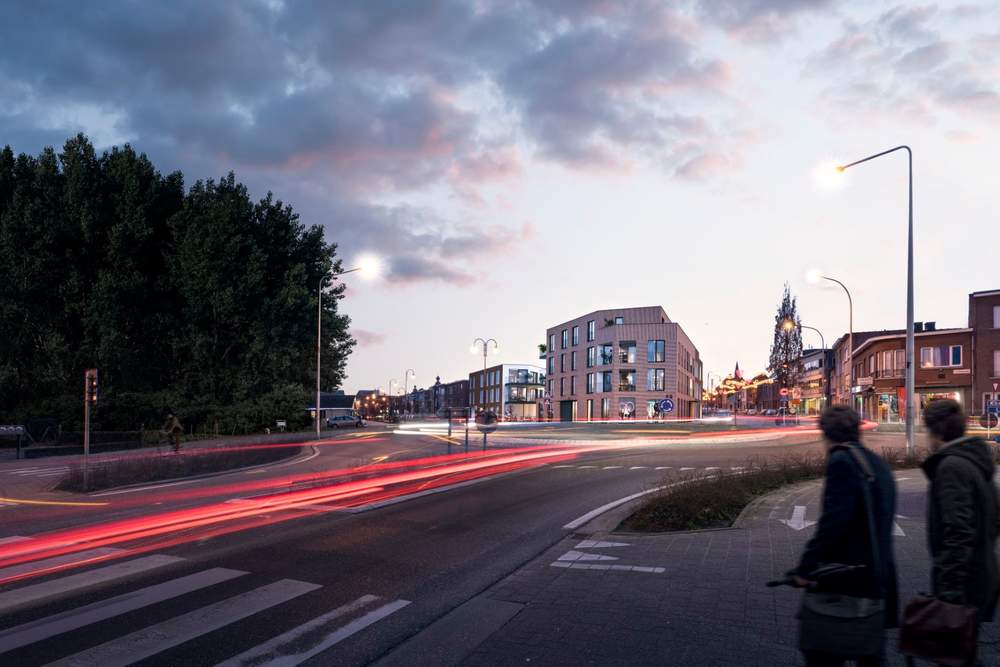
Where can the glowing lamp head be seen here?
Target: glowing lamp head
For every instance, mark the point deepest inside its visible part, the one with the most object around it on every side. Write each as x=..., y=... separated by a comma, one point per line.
x=813, y=276
x=369, y=267
x=788, y=325
x=829, y=176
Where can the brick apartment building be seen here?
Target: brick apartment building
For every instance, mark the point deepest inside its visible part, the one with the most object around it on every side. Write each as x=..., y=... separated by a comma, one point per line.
x=621, y=362
x=511, y=391
x=984, y=320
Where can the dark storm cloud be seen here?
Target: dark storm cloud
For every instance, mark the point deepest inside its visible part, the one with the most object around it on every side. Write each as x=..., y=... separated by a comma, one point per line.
x=335, y=104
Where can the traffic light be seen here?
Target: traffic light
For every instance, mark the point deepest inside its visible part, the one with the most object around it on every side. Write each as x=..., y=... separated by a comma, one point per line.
x=90, y=385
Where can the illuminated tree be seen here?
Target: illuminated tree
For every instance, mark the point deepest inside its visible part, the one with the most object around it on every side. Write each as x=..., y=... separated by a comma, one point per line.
x=786, y=348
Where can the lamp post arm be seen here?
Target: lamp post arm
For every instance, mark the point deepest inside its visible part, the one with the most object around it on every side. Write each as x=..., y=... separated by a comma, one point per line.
x=872, y=157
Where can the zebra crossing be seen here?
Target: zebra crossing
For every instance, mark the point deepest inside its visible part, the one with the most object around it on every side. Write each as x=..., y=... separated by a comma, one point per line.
x=223, y=611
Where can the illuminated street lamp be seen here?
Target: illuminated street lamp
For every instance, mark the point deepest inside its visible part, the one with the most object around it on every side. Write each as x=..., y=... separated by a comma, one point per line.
x=368, y=267
x=406, y=376
x=788, y=325
x=814, y=277
x=910, y=365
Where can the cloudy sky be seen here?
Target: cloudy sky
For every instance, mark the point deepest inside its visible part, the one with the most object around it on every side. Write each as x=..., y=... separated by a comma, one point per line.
x=520, y=163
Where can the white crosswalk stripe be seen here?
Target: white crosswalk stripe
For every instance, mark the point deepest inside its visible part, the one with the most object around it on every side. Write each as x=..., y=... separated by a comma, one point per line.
x=29, y=633
x=287, y=650
x=292, y=647
x=157, y=638
x=76, y=582
x=55, y=561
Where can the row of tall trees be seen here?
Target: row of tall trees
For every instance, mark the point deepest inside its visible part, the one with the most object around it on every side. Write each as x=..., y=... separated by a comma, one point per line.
x=200, y=301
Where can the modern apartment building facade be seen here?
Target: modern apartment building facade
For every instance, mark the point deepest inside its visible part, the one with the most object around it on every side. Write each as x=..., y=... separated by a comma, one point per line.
x=984, y=320
x=512, y=391
x=621, y=363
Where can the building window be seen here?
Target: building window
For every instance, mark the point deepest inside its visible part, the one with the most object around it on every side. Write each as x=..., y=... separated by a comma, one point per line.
x=591, y=356
x=562, y=386
x=576, y=335
x=626, y=351
x=996, y=363
x=619, y=320
x=572, y=360
x=656, y=379
x=591, y=330
x=626, y=379
x=562, y=362
x=656, y=351
x=996, y=317
x=941, y=356
x=550, y=387
x=590, y=383
x=572, y=385
x=605, y=407
x=552, y=365
x=565, y=338
x=606, y=353
x=552, y=342
x=590, y=409
x=606, y=381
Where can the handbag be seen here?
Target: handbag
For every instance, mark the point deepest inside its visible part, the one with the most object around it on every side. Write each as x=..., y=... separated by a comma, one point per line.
x=939, y=631
x=844, y=624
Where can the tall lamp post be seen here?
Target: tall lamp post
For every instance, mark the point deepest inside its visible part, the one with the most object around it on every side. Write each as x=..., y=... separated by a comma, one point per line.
x=910, y=361
x=789, y=325
x=486, y=346
x=816, y=276
x=406, y=376
x=368, y=267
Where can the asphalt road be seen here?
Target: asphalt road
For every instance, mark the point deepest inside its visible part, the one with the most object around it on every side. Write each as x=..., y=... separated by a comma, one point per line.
x=376, y=577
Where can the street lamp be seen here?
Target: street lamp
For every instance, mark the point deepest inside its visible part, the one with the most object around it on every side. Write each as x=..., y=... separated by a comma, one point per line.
x=910, y=365
x=814, y=277
x=406, y=376
x=788, y=325
x=368, y=267
x=486, y=345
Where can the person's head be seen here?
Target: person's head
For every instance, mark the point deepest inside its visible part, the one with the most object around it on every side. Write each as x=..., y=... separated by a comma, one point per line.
x=839, y=424
x=945, y=421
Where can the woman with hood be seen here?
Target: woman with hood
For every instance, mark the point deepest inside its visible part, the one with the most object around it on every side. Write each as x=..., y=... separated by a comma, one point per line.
x=962, y=512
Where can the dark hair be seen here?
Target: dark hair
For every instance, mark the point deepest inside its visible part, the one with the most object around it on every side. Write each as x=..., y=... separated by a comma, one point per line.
x=945, y=419
x=840, y=424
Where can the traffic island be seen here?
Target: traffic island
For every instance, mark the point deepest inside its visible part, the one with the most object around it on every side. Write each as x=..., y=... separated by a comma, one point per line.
x=107, y=474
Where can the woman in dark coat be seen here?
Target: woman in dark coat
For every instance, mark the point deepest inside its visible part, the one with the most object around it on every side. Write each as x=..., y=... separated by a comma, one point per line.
x=843, y=534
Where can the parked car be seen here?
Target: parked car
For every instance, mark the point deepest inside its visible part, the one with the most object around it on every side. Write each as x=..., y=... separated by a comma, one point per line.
x=751, y=412
x=339, y=421
x=770, y=412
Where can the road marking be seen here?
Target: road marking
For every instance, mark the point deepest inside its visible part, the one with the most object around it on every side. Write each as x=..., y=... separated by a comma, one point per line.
x=611, y=467
x=575, y=555
x=275, y=652
x=712, y=468
x=583, y=467
x=597, y=544
x=579, y=521
x=663, y=467
x=798, y=520
x=562, y=466
x=897, y=531
x=638, y=467
x=147, y=642
x=620, y=568
x=686, y=469
x=50, y=626
x=46, y=589
x=59, y=503
x=55, y=561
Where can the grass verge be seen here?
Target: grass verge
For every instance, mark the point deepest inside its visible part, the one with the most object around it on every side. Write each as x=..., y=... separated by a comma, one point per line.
x=162, y=467
x=716, y=501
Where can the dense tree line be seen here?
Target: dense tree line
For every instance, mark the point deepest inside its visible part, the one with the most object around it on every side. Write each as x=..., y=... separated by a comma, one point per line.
x=200, y=301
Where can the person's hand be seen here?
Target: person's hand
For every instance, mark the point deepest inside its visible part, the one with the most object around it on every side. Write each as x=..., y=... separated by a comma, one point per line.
x=799, y=582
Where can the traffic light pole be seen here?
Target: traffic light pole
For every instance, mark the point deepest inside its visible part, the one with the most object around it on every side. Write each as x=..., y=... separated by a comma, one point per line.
x=86, y=430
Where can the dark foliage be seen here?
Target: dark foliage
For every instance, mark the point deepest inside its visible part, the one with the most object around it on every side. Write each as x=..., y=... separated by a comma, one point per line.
x=200, y=302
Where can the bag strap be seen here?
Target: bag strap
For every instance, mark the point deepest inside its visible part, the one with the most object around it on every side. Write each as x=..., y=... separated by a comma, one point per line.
x=869, y=479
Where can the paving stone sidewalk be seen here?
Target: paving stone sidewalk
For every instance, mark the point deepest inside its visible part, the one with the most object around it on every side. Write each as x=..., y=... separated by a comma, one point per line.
x=583, y=605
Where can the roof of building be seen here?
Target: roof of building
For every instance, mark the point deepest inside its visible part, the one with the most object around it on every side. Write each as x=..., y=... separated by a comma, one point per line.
x=617, y=310
x=992, y=292
x=901, y=334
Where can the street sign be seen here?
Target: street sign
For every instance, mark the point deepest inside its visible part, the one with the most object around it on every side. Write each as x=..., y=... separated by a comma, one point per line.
x=783, y=391
x=993, y=407
x=666, y=405
x=486, y=422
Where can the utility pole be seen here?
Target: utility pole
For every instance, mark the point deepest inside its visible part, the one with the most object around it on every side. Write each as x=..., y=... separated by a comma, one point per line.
x=89, y=397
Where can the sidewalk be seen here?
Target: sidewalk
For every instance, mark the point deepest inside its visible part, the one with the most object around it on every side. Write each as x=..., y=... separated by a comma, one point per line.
x=680, y=599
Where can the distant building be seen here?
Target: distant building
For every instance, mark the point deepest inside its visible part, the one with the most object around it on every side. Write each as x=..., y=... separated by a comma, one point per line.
x=984, y=320
x=812, y=393
x=622, y=362
x=331, y=403
x=456, y=395
x=512, y=391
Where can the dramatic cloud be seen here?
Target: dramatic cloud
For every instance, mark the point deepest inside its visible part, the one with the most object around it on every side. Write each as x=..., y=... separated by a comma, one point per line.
x=899, y=64
x=340, y=107
x=758, y=20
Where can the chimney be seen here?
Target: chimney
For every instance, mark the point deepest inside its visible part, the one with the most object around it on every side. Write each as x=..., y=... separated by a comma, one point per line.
x=918, y=327
x=930, y=326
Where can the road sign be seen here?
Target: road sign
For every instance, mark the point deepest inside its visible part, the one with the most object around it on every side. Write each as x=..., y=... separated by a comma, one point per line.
x=486, y=422
x=993, y=407
x=783, y=391
x=666, y=405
